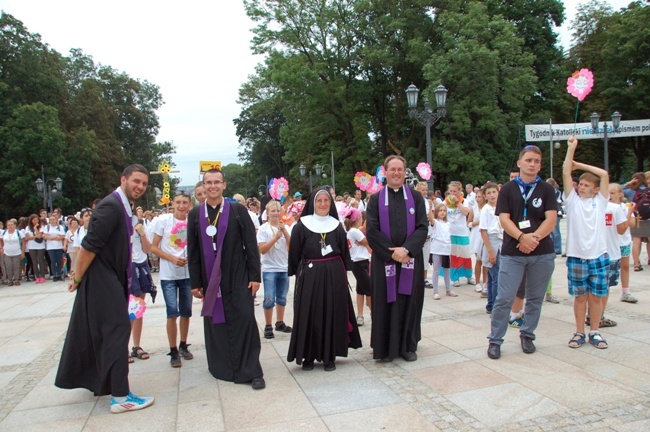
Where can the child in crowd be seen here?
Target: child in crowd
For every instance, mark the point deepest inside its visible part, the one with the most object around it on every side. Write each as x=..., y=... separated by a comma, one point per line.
x=616, y=224
x=492, y=234
x=440, y=250
x=476, y=241
x=587, y=258
x=457, y=215
x=360, y=255
x=616, y=196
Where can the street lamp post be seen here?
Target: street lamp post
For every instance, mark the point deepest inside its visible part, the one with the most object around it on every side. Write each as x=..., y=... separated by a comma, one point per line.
x=616, y=122
x=45, y=189
x=303, y=170
x=427, y=117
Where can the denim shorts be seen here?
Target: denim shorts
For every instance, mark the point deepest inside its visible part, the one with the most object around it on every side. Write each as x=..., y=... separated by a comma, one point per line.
x=588, y=276
x=178, y=297
x=276, y=286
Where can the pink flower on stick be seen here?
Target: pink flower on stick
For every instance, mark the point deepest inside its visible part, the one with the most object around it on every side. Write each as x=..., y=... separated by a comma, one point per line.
x=424, y=170
x=580, y=83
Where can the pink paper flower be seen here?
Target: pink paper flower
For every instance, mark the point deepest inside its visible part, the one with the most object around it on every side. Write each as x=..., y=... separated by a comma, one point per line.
x=424, y=170
x=279, y=188
x=580, y=83
x=362, y=180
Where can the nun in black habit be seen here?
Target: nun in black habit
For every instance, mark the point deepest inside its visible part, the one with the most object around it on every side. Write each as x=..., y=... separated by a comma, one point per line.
x=324, y=323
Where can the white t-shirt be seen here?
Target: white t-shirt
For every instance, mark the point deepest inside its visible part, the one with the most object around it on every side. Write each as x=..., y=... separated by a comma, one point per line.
x=475, y=239
x=441, y=240
x=78, y=238
x=173, y=233
x=625, y=238
x=585, y=230
x=470, y=201
x=362, y=205
x=457, y=222
x=614, y=215
x=12, y=243
x=53, y=230
x=358, y=252
x=32, y=244
x=277, y=258
x=490, y=222
x=138, y=256
x=70, y=235
x=255, y=219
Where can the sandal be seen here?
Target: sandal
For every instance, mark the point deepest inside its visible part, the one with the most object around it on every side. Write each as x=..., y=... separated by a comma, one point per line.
x=577, y=340
x=139, y=353
x=282, y=327
x=131, y=360
x=638, y=268
x=606, y=322
x=597, y=340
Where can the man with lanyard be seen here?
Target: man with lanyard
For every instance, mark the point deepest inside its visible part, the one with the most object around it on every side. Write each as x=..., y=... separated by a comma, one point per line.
x=95, y=353
x=527, y=211
x=396, y=228
x=225, y=272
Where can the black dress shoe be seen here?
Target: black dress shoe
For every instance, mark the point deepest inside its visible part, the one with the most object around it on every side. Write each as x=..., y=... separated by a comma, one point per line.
x=527, y=345
x=386, y=360
x=258, y=383
x=330, y=366
x=308, y=365
x=494, y=351
x=410, y=356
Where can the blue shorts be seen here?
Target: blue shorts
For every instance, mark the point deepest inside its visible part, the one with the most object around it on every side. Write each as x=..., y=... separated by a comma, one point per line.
x=276, y=287
x=613, y=273
x=626, y=250
x=588, y=276
x=178, y=297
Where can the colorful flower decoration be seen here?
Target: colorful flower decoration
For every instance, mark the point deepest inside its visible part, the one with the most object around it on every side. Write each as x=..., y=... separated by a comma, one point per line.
x=424, y=170
x=580, y=83
x=362, y=180
x=278, y=187
x=164, y=167
x=136, y=307
x=178, y=236
x=375, y=186
x=295, y=209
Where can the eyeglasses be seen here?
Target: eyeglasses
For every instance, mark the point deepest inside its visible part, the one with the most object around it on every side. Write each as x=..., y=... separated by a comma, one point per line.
x=215, y=182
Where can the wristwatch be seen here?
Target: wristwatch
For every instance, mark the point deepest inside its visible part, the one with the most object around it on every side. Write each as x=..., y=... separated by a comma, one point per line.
x=406, y=250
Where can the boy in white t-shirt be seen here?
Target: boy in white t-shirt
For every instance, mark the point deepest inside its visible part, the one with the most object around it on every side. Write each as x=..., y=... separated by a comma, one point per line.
x=492, y=235
x=587, y=258
x=170, y=244
x=616, y=224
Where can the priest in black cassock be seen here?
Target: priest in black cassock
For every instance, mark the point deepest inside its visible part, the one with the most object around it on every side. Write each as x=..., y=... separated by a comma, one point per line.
x=396, y=230
x=95, y=353
x=225, y=271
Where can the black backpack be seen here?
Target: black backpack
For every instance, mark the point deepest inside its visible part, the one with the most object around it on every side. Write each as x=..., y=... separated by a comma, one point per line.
x=642, y=201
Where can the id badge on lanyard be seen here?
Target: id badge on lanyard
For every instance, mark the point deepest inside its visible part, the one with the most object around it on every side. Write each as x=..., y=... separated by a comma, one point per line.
x=525, y=223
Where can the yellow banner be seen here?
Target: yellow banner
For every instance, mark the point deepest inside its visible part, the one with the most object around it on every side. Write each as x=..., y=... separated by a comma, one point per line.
x=208, y=165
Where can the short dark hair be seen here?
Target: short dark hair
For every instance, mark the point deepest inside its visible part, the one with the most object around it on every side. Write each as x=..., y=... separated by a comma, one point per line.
x=393, y=157
x=214, y=171
x=198, y=184
x=134, y=168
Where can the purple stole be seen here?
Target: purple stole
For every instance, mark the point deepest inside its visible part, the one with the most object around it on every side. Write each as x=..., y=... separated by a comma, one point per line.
x=129, y=232
x=408, y=269
x=213, y=301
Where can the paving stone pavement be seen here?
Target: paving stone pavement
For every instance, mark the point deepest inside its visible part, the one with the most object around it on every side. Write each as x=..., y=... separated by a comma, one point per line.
x=452, y=386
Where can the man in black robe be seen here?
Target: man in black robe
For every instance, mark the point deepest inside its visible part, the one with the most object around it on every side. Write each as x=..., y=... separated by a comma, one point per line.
x=95, y=353
x=395, y=253
x=225, y=270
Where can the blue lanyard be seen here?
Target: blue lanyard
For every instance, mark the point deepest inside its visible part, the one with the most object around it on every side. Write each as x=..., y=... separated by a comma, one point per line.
x=526, y=197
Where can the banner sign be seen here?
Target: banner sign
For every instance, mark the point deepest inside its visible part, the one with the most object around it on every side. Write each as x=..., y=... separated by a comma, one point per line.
x=208, y=165
x=562, y=132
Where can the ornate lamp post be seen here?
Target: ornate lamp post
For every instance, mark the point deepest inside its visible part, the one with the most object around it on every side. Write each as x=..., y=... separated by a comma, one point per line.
x=427, y=117
x=303, y=170
x=46, y=191
x=616, y=122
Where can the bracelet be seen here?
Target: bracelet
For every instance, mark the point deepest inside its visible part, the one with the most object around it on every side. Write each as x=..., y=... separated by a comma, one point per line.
x=76, y=280
x=520, y=236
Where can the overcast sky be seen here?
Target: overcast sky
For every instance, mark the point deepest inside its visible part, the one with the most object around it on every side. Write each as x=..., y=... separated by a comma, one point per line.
x=197, y=52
